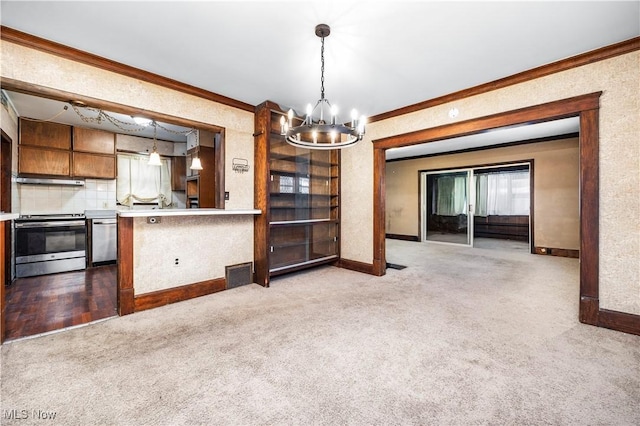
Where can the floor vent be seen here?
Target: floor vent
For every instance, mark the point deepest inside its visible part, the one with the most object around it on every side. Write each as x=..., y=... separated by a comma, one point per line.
x=238, y=275
x=395, y=266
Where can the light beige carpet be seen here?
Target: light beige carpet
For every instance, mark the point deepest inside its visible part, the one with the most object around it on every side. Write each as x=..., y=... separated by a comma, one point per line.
x=461, y=336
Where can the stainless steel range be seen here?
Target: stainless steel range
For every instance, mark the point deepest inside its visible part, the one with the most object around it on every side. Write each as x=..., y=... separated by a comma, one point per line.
x=47, y=244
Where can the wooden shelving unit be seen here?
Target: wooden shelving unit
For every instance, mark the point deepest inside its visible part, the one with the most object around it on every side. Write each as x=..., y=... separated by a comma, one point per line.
x=298, y=191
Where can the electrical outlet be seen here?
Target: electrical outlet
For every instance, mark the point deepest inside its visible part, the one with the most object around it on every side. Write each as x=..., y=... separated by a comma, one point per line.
x=176, y=262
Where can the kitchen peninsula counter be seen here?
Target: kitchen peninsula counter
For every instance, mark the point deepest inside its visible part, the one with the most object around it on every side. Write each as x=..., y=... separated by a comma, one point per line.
x=186, y=212
x=168, y=255
x=10, y=216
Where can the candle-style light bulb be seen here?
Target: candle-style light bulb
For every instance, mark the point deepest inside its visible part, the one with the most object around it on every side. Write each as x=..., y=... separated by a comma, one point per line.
x=282, y=124
x=309, y=111
x=361, y=124
x=290, y=116
x=354, y=117
x=334, y=114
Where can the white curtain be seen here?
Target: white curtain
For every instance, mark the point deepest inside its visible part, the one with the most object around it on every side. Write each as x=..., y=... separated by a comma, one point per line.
x=451, y=197
x=138, y=181
x=504, y=193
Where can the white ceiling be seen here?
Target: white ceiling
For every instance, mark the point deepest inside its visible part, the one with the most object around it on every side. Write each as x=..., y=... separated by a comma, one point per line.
x=493, y=137
x=380, y=56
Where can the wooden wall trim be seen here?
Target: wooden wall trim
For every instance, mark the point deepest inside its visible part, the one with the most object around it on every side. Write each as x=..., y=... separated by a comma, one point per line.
x=589, y=208
x=27, y=40
x=178, y=294
x=354, y=265
x=379, y=196
x=559, y=252
x=2, y=278
x=261, y=229
x=402, y=237
x=535, y=114
x=125, y=266
x=619, y=321
x=603, y=53
x=587, y=108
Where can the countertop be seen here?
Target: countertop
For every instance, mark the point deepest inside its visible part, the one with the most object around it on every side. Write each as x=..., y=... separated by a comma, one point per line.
x=186, y=212
x=100, y=214
x=8, y=216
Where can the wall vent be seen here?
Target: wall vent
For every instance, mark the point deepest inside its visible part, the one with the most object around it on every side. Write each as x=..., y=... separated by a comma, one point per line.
x=238, y=275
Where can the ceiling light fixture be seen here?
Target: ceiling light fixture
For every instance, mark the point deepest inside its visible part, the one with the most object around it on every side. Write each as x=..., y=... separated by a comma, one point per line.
x=154, y=157
x=196, y=164
x=143, y=121
x=318, y=134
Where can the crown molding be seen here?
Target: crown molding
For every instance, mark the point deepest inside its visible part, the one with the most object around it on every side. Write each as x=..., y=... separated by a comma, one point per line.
x=601, y=54
x=27, y=40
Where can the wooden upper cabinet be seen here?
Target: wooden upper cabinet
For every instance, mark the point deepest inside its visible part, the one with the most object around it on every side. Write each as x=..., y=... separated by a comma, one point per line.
x=33, y=160
x=97, y=166
x=178, y=173
x=92, y=140
x=45, y=134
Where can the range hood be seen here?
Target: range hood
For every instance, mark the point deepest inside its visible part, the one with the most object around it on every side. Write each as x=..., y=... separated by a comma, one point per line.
x=39, y=181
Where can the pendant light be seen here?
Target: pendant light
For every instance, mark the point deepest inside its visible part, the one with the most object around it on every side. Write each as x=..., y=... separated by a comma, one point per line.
x=195, y=163
x=154, y=157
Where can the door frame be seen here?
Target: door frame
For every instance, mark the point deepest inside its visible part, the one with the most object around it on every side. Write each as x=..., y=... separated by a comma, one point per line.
x=424, y=224
x=5, y=205
x=587, y=108
x=472, y=195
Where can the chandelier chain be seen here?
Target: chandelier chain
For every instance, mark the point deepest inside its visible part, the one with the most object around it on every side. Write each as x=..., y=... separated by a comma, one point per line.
x=322, y=70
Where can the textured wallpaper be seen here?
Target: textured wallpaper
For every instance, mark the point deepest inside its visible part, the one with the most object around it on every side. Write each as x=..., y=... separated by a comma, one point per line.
x=203, y=245
x=619, y=80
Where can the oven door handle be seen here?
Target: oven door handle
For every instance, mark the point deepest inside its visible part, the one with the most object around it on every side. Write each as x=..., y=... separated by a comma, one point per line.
x=49, y=224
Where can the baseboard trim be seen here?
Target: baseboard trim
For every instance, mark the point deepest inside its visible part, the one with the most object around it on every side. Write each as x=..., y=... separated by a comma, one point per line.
x=178, y=294
x=402, y=237
x=354, y=265
x=550, y=251
x=588, y=312
x=619, y=321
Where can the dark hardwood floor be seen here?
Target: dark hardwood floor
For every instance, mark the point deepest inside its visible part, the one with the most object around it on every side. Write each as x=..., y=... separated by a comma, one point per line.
x=37, y=305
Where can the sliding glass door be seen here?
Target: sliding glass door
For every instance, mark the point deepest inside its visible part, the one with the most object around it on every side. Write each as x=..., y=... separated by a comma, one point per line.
x=446, y=207
x=483, y=202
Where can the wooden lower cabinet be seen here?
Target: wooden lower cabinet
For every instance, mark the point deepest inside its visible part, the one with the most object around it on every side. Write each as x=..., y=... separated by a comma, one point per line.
x=44, y=161
x=94, y=165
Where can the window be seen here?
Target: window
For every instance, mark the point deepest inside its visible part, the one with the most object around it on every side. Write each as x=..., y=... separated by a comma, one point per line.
x=286, y=185
x=139, y=182
x=303, y=185
x=504, y=193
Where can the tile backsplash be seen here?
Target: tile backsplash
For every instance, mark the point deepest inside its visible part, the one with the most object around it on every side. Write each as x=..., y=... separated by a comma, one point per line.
x=96, y=194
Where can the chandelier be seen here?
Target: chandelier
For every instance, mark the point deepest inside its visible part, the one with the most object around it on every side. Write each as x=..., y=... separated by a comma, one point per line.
x=318, y=133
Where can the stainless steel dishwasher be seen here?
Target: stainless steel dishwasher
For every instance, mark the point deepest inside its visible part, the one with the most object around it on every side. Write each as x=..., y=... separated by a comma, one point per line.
x=104, y=240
